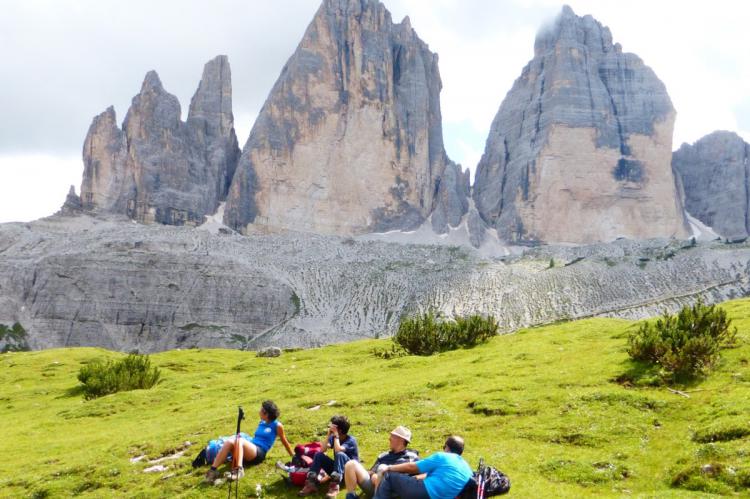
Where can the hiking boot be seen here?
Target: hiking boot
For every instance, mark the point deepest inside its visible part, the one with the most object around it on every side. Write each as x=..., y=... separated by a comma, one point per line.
x=237, y=473
x=333, y=489
x=283, y=467
x=309, y=488
x=211, y=476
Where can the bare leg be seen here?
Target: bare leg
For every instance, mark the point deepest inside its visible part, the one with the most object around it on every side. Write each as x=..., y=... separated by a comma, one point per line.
x=354, y=474
x=221, y=457
x=247, y=452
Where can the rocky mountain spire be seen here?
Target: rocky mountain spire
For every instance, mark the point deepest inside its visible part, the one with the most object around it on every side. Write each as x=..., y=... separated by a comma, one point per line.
x=350, y=138
x=158, y=168
x=106, y=184
x=580, y=148
x=715, y=174
x=211, y=122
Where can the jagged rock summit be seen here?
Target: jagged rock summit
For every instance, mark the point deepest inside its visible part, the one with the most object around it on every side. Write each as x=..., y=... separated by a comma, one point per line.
x=715, y=174
x=350, y=139
x=580, y=148
x=157, y=168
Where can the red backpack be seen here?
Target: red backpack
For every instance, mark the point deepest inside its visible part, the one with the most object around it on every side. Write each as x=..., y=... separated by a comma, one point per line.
x=300, y=464
x=304, y=453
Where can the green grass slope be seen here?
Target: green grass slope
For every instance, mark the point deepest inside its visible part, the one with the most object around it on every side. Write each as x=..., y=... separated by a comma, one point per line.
x=542, y=405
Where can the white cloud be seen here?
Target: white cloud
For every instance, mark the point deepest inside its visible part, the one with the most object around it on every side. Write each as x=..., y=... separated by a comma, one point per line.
x=64, y=62
x=35, y=186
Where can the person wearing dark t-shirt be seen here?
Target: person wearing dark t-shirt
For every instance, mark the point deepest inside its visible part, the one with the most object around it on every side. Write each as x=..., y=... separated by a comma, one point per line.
x=355, y=473
x=344, y=448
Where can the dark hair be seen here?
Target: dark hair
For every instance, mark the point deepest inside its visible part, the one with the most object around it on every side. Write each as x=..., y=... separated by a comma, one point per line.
x=341, y=423
x=455, y=444
x=271, y=410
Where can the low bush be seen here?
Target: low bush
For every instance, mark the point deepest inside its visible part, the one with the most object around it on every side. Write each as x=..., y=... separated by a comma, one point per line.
x=428, y=334
x=722, y=432
x=13, y=338
x=713, y=478
x=684, y=345
x=134, y=372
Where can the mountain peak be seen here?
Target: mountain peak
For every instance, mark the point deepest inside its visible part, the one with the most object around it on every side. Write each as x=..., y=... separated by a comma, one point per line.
x=151, y=81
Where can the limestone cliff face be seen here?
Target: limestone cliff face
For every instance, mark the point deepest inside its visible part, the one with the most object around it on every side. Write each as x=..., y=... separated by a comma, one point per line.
x=715, y=174
x=158, y=168
x=96, y=281
x=350, y=139
x=580, y=148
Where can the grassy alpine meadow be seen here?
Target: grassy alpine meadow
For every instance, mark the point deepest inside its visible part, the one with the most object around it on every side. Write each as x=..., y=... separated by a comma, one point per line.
x=561, y=409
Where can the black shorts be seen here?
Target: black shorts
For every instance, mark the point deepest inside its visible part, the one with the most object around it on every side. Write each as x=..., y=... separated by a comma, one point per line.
x=259, y=457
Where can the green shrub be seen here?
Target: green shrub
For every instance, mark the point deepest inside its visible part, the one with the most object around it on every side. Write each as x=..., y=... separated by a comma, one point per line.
x=684, y=345
x=134, y=372
x=722, y=432
x=713, y=478
x=13, y=339
x=427, y=334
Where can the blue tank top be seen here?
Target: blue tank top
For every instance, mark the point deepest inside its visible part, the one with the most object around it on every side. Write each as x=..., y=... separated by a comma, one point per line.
x=265, y=435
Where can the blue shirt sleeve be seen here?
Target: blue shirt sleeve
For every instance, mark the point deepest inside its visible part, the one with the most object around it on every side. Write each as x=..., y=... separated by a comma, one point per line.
x=350, y=448
x=428, y=464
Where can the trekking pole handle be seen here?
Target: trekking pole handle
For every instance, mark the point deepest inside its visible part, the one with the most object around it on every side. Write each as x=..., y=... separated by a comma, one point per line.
x=240, y=417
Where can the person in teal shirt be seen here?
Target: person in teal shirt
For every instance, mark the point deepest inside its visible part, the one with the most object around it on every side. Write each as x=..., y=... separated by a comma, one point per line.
x=446, y=475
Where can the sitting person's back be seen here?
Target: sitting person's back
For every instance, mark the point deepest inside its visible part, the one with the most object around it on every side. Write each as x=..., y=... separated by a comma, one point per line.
x=447, y=474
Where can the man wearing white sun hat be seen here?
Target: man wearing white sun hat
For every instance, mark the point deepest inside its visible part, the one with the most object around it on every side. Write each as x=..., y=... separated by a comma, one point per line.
x=355, y=473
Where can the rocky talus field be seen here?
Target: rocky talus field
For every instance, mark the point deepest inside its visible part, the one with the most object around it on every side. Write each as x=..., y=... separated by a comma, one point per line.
x=112, y=283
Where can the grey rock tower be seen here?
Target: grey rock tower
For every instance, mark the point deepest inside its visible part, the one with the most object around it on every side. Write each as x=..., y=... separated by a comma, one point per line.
x=715, y=174
x=350, y=138
x=580, y=148
x=158, y=168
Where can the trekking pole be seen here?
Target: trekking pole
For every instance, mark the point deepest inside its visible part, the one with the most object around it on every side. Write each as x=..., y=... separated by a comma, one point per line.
x=480, y=479
x=240, y=417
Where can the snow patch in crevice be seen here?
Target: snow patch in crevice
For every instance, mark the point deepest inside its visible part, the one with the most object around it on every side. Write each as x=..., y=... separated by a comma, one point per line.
x=701, y=231
x=491, y=247
x=215, y=222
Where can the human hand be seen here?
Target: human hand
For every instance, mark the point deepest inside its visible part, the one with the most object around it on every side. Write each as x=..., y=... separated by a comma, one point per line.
x=381, y=469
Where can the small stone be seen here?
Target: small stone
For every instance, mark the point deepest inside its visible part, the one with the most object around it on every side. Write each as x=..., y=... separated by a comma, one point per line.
x=269, y=352
x=155, y=469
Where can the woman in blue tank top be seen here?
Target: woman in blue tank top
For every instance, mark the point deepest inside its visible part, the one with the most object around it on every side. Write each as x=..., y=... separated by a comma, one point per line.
x=253, y=451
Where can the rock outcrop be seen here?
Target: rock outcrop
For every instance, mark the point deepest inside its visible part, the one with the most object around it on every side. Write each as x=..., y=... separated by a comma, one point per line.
x=350, y=139
x=580, y=149
x=72, y=204
x=715, y=175
x=158, y=168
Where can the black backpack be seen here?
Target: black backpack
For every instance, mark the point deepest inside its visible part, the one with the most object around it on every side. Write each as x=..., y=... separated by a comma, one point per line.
x=491, y=481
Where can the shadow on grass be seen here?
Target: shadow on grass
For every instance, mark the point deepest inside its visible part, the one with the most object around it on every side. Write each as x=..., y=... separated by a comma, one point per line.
x=643, y=374
x=638, y=374
x=73, y=391
x=281, y=488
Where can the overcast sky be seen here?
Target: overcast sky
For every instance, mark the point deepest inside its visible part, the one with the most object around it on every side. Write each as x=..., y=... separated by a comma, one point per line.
x=65, y=61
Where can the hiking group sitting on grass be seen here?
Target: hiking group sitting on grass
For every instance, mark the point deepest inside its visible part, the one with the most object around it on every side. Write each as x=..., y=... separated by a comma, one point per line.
x=398, y=472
